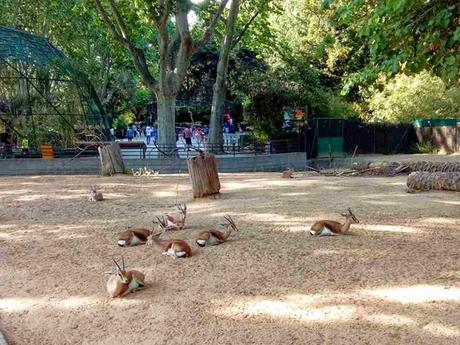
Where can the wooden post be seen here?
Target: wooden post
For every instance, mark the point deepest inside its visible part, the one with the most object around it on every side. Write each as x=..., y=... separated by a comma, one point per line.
x=424, y=181
x=111, y=159
x=203, y=175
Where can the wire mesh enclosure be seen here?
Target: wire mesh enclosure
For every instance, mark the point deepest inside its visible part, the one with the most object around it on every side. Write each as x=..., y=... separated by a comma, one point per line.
x=42, y=98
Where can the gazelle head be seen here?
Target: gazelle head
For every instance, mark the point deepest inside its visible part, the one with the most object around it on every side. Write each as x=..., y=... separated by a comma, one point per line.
x=121, y=271
x=351, y=216
x=230, y=223
x=183, y=210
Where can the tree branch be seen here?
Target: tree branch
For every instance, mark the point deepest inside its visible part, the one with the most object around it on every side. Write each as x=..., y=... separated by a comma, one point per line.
x=138, y=56
x=119, y=20
x=105, y=17
x=245, y=28
x=211, y=27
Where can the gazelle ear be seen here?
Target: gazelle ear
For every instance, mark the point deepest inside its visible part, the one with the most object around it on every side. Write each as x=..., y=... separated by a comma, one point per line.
x=344, y=214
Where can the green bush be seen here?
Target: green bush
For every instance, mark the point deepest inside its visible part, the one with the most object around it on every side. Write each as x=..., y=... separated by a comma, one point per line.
x=425, y=147
x=421, y=96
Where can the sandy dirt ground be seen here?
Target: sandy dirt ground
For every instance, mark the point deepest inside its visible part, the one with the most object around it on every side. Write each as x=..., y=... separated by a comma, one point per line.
x=395, y=280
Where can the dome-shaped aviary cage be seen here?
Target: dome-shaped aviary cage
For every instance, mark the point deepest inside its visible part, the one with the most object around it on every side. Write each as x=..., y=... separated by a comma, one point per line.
x=43, y=98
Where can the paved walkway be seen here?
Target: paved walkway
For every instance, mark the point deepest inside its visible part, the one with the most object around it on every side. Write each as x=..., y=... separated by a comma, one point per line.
x=152, y=151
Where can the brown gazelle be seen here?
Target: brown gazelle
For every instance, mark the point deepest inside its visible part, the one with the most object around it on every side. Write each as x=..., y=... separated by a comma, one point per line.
x=288, y=173
x=331, y=227
x=94, y=195
x=124, y=282
x=215, y=237
x=173, y=248
x=176, y=221
x=133, y=237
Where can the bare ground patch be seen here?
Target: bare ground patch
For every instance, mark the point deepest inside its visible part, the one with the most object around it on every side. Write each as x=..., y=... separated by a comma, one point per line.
x=396, y=280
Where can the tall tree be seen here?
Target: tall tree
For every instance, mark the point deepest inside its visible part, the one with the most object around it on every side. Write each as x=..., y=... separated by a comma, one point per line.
x=218, y=98
x=174, y=49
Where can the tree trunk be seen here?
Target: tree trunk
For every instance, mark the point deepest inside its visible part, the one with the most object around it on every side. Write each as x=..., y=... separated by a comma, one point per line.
x=166, y=110
x=424, y=181
x=111, y=159
x=219, y=89
x=203, y=175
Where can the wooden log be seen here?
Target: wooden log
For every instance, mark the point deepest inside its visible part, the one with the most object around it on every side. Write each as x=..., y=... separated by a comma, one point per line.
x=111, y=159
x=424, y=181
x=204, y=175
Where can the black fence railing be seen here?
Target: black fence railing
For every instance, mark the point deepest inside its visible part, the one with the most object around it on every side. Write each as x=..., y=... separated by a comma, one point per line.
x=139, y=150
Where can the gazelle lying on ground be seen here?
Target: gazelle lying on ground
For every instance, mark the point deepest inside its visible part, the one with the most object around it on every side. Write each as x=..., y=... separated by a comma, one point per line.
x=94, y=195
x=133, y=237
x=215, y=237
x=288, y=173
x=176, y=221
x=173, y=248
x=124, y=282
x=331, y=227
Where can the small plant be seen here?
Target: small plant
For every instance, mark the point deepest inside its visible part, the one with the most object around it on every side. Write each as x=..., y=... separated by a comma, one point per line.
x=144, y=172
x=425, y=147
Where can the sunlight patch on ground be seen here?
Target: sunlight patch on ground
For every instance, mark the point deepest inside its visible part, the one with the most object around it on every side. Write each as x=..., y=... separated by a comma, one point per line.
x=437, y=220
x=390, y=320
x=441, y=330
x=31, y=197
x=15, y=192
x=448, y=202
x=295, y=194
x=417, y=294
x=11, y=305
x=320, y=252
x=382, y=202
x=164, y=193
x=297, y=228
x=388, y=228
x=295, y=307
x=273, y=217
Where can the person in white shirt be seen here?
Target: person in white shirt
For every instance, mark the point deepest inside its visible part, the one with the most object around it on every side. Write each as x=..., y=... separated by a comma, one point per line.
x=148, y=134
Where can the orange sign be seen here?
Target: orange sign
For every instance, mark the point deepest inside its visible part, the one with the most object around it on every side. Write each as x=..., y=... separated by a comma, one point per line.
x=299, y=113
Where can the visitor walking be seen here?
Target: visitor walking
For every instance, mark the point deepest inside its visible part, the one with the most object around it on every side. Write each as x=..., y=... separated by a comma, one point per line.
x=199, y=134
x=134, y=129
x=148, y=134
x=130, y=134
x=188, y=137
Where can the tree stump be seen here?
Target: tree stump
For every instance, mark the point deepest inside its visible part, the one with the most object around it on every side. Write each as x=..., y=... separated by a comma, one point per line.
x=424, y=181
x=203, y=175
x=111, y=159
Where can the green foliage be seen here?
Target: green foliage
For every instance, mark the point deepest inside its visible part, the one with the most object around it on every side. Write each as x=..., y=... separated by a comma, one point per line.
x=389, y=36
x=123, y=121
x=425, y=147
x=422, y=96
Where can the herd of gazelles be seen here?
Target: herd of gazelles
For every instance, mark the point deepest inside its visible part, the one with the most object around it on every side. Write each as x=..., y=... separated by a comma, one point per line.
x=125, y=281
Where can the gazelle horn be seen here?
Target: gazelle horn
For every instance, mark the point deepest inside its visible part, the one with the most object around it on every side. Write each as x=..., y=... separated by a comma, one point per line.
x=230, y=220
x=116, y=263
x=162, y=222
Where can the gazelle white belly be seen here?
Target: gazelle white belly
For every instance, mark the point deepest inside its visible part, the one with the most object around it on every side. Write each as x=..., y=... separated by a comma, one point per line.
x=135, y=240
x=326, y=232
x=134, y=285
x=213, y=241
x=170, y=224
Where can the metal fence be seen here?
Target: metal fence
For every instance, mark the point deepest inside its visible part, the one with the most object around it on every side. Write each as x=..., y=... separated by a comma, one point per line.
x=139, y=150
